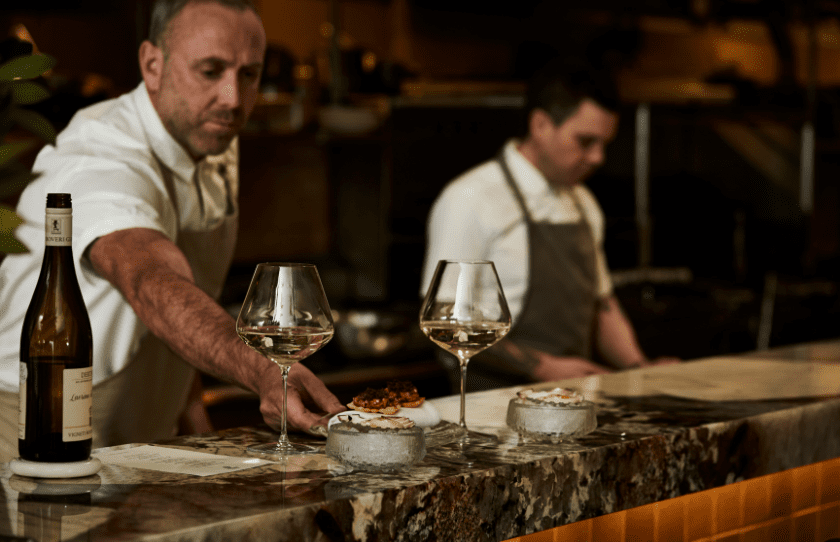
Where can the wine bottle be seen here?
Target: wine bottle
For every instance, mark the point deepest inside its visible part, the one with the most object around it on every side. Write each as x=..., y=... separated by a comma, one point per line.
x=56, y=353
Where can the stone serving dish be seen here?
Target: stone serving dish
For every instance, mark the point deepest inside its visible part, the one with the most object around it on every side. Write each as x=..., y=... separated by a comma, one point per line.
x=376, y=450
x=553, y=422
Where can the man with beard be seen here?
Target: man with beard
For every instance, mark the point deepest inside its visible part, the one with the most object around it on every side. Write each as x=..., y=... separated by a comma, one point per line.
x=154, y=179
x=528, y=211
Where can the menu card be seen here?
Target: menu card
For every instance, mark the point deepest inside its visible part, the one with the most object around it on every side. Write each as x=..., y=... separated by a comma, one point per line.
x=176, y=460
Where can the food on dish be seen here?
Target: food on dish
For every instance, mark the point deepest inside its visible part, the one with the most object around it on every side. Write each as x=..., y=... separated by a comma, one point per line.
x=395, y=395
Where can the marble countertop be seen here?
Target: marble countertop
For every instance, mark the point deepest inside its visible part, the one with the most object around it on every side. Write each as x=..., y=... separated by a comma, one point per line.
x=662, y=432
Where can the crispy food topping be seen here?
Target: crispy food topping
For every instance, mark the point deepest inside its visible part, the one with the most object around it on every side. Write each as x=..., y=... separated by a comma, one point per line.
x=388, y=400
x=374, y=398
x=403, y=392
x=557, y=396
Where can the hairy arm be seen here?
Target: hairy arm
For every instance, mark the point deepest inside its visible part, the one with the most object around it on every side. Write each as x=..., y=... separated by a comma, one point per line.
x=155, y=278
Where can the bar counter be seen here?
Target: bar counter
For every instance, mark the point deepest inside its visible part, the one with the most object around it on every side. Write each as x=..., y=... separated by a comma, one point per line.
x=662, y=432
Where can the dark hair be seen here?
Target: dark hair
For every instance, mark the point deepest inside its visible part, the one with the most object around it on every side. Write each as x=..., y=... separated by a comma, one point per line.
x=561, y=85
x=164, y=11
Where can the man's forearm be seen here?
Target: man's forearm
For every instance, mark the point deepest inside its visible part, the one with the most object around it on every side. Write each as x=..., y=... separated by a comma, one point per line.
x=615, y=338
x=157, y=282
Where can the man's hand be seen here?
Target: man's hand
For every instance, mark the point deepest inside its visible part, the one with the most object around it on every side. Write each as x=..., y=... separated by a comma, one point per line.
x=304, y=388
x=550, y=368
x=663, y=360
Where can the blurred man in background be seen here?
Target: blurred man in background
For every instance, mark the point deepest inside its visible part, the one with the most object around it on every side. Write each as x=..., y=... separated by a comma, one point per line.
x=528, y=211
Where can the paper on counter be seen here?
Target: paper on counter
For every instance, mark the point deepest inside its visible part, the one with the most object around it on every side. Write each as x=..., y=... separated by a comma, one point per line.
x=721, y=379
x=485, y=408
x=177, y=461
x=732, y=379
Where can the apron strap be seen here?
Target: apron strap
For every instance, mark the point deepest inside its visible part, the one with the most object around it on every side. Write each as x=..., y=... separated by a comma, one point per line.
x=512, y=183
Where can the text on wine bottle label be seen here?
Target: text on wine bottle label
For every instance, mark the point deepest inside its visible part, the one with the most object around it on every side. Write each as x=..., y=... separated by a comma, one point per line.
x=78, y=404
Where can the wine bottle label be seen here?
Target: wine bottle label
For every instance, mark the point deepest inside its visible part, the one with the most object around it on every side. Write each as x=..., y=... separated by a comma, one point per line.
x=78, y=404
x=22, y=402
x=59, y=227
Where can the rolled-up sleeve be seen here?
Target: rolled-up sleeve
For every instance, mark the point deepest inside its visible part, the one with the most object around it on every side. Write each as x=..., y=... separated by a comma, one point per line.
x=109, y=195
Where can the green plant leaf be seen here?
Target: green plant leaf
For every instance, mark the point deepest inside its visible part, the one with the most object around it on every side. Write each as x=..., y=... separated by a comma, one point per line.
x=26, y=92
x=10, y=151
x=14, y=179
x=33, y=122
x=26, y=67
x=9, y=221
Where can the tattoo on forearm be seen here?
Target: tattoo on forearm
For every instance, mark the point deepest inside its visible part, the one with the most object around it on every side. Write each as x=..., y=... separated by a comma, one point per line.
x=605, y=304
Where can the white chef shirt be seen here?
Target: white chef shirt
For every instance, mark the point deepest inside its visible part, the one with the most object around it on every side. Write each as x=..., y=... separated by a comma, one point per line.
x=477, y=217
x=105, y=159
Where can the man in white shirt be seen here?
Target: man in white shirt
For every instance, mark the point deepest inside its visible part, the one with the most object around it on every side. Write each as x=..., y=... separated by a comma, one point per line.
x=154, y=181
x=528, y=212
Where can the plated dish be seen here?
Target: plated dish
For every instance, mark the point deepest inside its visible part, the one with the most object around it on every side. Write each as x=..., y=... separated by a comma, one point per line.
x=553, y=414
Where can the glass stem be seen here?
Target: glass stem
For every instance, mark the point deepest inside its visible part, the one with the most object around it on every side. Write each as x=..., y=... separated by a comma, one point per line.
x=463, y=422
x=284, y=439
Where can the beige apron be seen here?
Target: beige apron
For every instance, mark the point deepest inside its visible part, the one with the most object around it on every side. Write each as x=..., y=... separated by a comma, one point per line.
x=142, y=402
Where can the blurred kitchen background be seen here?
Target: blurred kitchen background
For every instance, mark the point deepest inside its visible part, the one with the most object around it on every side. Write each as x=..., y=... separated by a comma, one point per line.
x=721, y=190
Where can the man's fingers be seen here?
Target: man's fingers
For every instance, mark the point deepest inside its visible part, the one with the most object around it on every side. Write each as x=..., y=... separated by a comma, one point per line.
x=306, y=381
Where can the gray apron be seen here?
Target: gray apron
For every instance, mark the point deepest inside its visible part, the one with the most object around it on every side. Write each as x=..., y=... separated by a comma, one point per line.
x=142, y=402
x=559, y=309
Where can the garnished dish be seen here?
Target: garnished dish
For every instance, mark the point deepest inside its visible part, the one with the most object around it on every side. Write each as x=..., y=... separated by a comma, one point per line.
x=397, y=397
x=370, y=442
x=553, y=414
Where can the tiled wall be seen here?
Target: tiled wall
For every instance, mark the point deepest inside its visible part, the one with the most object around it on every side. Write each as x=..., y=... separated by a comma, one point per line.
x=801, y=504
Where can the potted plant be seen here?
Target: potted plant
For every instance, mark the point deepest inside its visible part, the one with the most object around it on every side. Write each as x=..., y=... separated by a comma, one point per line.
x=19, y=89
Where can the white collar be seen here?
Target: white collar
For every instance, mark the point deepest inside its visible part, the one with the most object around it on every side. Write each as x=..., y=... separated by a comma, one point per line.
x=529, y=179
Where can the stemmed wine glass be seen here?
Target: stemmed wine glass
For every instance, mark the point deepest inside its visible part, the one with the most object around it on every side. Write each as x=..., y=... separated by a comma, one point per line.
x=465, y=312
x=285, y=317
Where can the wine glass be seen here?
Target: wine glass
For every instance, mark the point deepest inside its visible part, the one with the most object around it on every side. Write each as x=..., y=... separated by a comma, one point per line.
x=285, y=317
x=464, y=312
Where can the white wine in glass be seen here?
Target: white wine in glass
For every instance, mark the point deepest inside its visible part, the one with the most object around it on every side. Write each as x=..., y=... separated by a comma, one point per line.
x=465, y=312
x=286, y=318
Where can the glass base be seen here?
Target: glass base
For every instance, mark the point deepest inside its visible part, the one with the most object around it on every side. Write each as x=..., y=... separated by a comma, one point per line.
x=279, y=449
x=470, y=438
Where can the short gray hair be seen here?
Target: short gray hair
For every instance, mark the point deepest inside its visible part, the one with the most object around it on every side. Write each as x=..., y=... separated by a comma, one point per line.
x=164, y=11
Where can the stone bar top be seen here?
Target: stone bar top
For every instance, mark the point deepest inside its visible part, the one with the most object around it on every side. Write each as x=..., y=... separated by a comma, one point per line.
x=662, y=432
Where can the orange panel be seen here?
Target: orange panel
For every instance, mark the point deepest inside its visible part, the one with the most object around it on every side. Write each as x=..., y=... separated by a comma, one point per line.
x=804, y=487
x=639, y=523
x=829, y=481
x=805, y=527
x=670, y=521
x=827, y=522
x=756, y=501
x=699, y=515
x=609, y=527
x=781, y=494
x=580, y=531
x=728, y=508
